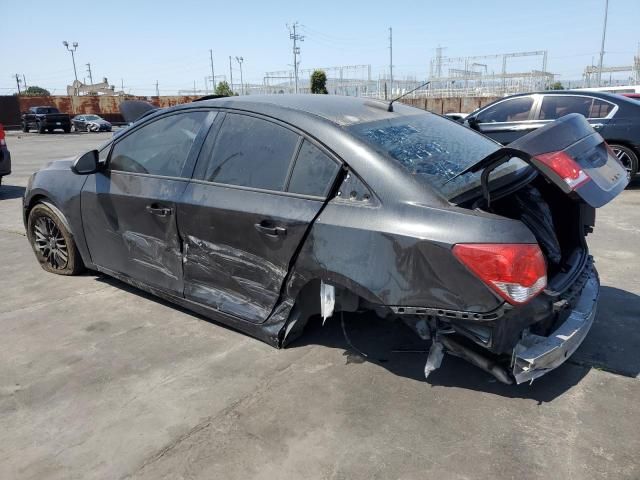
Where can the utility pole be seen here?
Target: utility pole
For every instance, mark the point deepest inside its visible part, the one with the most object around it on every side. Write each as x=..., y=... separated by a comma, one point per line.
x=240, y=60
x=157, y=90
x=18, y=83
x=213, y=76
x=391, y=60
x=296, y=51
x=604, y=34
x=231, y=74
x=89, y=72
x=24, y=82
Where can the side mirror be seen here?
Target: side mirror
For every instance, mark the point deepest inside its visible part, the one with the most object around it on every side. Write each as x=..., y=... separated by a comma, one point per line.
x=86, y=164
x=472, y=121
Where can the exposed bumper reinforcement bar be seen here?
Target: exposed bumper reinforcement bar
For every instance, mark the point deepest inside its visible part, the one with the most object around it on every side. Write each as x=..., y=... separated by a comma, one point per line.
x=535, y=355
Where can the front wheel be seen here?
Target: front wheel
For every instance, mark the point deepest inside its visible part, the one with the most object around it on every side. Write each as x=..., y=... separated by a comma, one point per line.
x=627, y=158
x=25, y=127
x=52, y=242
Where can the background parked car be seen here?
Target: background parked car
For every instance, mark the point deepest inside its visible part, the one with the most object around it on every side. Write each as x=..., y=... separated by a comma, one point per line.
x=45, y=119
x=615, y=117
x=90, y=123
x=5, y=156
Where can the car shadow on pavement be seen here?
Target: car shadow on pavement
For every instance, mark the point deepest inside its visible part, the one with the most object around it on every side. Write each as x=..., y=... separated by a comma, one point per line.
x=611, y=345
x=8, y=192
x=394, y=347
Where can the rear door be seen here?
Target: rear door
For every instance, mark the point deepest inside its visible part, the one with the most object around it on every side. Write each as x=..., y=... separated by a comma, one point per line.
x=597, y=111
x=508, y=120
x=258, y=186
x=129, y=209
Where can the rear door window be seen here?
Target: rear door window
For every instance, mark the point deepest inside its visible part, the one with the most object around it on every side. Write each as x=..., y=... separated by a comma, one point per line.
x=512, y=110
x=160, y=147
x=556, y=106
x=250, y=152
x=314, y=171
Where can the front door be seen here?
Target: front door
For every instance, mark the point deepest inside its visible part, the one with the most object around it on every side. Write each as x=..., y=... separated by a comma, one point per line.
x=507, y=120
x=258, y=187
x=129, y=210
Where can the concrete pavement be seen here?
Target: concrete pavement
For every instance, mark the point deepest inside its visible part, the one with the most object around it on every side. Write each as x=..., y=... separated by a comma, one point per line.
x=99, y=380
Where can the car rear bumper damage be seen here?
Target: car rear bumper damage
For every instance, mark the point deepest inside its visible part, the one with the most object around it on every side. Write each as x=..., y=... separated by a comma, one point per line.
x=535, y=355
x=531, y=353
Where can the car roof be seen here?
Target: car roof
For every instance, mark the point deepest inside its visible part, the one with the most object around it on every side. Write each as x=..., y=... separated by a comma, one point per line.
x=604, y=95
x=337, y=109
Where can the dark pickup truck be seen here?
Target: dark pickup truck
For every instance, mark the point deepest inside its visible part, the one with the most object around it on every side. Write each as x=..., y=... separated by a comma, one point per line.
x=45, y=119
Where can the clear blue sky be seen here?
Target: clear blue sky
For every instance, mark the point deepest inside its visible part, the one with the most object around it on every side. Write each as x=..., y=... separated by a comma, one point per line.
x=145, y=41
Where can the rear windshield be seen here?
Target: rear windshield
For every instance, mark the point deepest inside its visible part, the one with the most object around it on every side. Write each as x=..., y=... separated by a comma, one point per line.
x=47, y=110
x=434, y=149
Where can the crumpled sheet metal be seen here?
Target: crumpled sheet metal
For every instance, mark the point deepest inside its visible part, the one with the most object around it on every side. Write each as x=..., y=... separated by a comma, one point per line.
x=258, y=278
x=153, y=253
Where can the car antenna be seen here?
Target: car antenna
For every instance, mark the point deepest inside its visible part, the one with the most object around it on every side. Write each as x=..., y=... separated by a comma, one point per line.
x=390, y=108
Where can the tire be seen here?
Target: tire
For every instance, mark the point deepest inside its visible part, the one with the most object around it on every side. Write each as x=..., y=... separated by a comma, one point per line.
x=627, y=157
x=52, y=242
x=25, y=127
x=40, y=127
x=49, y=130
x=67, y=129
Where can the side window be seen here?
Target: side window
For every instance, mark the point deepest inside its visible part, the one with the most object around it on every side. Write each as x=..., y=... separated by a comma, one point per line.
x=160, y=147
x=514, y=110
x=556, y=106
x=251, y=152
x=313, y=172
x=600, y=108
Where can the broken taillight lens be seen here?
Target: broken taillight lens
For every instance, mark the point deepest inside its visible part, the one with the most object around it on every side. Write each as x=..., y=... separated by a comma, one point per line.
x=515, y=271
x=565, y=167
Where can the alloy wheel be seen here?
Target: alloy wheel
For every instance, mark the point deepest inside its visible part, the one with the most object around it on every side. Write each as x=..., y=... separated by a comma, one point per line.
x=50, y=243
x=623, y=157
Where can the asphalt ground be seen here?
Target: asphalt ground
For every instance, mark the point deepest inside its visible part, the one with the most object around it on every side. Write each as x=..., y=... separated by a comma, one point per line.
x=99, y=380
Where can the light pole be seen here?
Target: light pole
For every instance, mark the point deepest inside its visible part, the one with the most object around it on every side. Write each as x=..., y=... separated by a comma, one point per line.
x=240, y=60
x=73, y=58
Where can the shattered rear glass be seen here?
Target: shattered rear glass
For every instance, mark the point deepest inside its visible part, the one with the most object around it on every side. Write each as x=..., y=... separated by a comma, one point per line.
x=434, y=148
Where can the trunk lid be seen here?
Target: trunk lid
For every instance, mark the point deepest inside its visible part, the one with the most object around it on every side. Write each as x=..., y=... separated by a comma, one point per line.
x=596, y=177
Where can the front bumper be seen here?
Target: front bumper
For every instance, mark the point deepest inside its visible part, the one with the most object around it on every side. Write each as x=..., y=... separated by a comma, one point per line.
x=535, y=355
x=5, y=161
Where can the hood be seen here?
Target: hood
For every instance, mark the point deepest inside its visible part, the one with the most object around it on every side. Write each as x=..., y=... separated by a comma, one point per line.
x=61, y=164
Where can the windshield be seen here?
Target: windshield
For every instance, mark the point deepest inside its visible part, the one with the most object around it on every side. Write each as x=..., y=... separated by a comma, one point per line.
x=92, y=117
x=435, y=149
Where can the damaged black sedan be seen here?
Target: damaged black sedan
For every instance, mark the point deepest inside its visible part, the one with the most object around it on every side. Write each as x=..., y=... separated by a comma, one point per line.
x=261, y=212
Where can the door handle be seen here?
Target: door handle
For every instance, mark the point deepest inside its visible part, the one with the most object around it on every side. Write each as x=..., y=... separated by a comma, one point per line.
x=597, y=126
x=155, y=209
x=269, y=230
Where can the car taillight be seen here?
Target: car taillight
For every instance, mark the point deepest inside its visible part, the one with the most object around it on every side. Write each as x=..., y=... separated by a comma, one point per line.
x=2, y=140
x=565, y=167
x=515, y=271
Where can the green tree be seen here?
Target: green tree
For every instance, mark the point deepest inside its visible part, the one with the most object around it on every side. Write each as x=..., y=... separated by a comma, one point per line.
x=223, y=88
x=556, y=86
x=34, y=91
x=319, y=82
